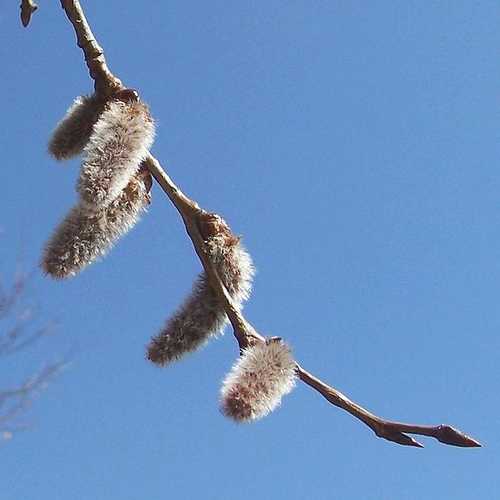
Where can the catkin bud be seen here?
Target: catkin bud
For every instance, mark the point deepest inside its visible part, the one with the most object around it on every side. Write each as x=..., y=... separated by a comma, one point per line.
x=202, y=315
x=73, y=131
x=119, y=142
x=259, y=379
x=83, y=236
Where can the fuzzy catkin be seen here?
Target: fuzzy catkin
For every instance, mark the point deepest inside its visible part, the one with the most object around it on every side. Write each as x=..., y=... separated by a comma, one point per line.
x=119, y=142
x=259, y=379
x=202, y=315
x=83, y=236
x=73, y=132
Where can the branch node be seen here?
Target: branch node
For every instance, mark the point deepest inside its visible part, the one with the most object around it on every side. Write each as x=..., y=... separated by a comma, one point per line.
x=385, y=432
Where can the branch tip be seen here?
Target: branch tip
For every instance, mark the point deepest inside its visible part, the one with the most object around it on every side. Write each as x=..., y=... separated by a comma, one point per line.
x=449, y=435
x=27, y=9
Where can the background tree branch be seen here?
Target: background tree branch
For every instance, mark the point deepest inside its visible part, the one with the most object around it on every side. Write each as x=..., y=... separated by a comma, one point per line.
x=17, y=334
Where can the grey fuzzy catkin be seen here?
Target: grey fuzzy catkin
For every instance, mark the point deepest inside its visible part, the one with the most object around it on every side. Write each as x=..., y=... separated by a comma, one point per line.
x=73, y=132
x=120, y=141
x=263, y=374
x=202, y=315
x=83, y=236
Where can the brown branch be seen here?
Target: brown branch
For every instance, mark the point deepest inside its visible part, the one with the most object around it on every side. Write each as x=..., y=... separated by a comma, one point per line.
x=105, y=82
x=387, y=429
x=27, y=9
x=194, y=219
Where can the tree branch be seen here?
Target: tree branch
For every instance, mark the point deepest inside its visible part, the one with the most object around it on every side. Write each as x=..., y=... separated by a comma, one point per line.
x=14, y=337
x=197, y=220
x=105, y=82
x=14, y=402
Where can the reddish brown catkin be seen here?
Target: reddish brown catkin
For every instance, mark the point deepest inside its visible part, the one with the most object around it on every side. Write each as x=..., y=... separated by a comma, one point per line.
x=73, y=132
x=120, y=141
x=202, y=315
x=83, y=236
x=259, y=379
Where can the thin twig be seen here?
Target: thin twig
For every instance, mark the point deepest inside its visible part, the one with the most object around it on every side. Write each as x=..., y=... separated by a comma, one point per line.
x=388, y=429
x=14, y=402
x=14, y=337
x=15, y=340
x=194, y=217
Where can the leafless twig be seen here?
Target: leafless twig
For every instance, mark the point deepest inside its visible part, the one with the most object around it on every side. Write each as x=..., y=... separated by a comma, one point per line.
x=197, y=222
x=16, y=334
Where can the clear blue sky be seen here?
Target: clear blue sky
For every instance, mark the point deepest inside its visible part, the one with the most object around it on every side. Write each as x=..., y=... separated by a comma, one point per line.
x=355, y=145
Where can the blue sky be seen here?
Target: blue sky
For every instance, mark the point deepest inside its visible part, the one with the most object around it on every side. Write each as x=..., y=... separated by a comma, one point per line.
x=355, y=146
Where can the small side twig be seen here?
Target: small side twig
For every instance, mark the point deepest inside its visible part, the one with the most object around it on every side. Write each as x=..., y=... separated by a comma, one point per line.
x=387, y=429
x=194, y=218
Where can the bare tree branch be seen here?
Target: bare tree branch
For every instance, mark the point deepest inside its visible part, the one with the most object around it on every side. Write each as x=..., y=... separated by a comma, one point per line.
x=15, y=402
x=200, y=223
x=9, y=298
x=16, y=337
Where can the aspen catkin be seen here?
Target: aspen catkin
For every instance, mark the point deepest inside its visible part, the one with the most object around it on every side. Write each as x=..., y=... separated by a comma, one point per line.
x=259, y=379
x=119, y=142
x=202, y=316
x=83, y=236
x=73, y=132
